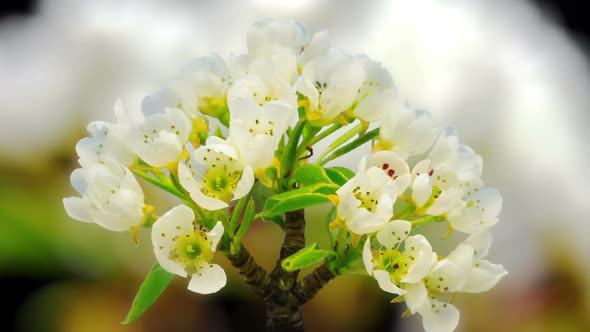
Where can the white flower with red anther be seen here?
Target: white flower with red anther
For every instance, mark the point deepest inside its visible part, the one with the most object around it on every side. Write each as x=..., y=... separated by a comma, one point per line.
x=435, y=191
x=395, y=167
x=366, y=201
x=185, y=248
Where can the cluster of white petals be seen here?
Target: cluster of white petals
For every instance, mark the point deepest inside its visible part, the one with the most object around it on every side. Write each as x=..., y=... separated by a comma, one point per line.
x=221, y=126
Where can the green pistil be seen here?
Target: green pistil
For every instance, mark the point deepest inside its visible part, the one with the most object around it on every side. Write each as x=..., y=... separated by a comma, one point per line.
x=193, y=250
x=393, y=262
x=220, y=183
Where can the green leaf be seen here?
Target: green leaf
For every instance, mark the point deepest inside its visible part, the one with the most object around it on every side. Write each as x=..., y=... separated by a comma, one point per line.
x=246, y=220
x=305, y=257
x=295, y=203
x=152, y=287
x=297, y=199
x=237, y=213
x=311, y=174
x=339, y=175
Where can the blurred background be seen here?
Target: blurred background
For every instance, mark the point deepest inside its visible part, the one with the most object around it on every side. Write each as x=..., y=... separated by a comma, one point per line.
x=511, y=75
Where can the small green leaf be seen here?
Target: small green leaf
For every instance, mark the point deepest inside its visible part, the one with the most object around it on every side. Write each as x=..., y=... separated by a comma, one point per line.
x=237, y=212
x=295, y=203
x=305, y=257
x=152, y=287
x=311, y=174
x=339, y=175
x=297, y=199
x=246, y=220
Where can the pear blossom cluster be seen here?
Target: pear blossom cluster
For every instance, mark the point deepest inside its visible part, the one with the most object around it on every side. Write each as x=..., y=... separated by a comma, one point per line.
x=223, y=127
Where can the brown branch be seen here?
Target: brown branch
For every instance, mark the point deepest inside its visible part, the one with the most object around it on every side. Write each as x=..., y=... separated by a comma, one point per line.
x=308, y=287
x=252, y=273
x=294, y=233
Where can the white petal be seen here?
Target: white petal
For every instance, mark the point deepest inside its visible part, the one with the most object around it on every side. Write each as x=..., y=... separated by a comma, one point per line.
x=373, y=107
x=424, y=258
x=491, y=200
x=365, y=222
x=348, y=203
x=368, y=256
x=384, y=281
x=462, y=256
x=394, y=232
x=210, y=279
x=78, y=180
x=187, y=181
x=416, y=296
x=481, y=243
x=215, y=235
x=306, y=88
x=177, y=221
x=483, y=276
x=447, y=200
x=207, y=202
x=169, y=265
x=421, y=189
x=443, y=317
x=77, y=208
x=245, y=184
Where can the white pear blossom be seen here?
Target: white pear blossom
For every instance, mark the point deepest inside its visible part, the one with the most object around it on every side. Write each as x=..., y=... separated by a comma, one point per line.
x=395, y=167
x=266, y=80
x=479, y=211
x=110, y=196
x=184, y=247
x=265, y=36
x=331, y=84
x=366, y=201
x=157, y=137
x=483, y=274
x=463, y=270
x=271, y=36
x=376, y=94
x=461, y=158
x=256, y=130
x=446, y=276
x=435, y=191
x=202, y=87
x=393, y=269
x=101, y=145
x=215, y=175
x=403, y=130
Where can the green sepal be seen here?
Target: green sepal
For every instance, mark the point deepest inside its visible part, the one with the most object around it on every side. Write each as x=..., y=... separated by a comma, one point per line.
x=307, y=256
x=150, y=290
